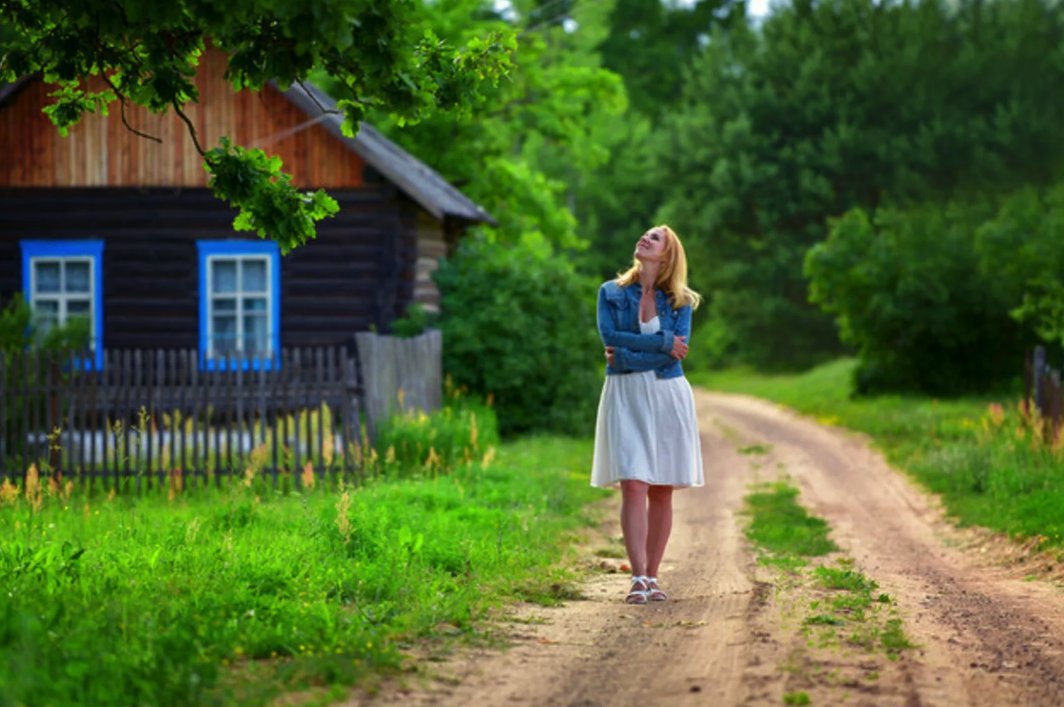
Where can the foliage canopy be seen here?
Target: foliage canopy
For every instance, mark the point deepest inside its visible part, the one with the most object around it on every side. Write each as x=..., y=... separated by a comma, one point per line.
x=840, y=104
x=147, y=53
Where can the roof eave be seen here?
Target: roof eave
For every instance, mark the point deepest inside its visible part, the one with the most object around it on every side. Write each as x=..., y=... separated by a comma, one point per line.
x=10, y=89
x=365, y=148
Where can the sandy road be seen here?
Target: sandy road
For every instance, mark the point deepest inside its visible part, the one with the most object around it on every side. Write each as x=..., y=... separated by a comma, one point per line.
x=985, y=638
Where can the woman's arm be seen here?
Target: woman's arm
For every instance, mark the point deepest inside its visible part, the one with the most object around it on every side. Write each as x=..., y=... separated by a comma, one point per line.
x=660, y=342
x=630, y=361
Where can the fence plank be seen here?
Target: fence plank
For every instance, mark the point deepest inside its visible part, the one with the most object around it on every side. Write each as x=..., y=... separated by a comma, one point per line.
x=261, y=412
x=67, y=421
x=20, y=424
x=51, y=409
x=231, y=458
x=184, y=378
x=1039, y=365
x=244, y=463
x=5, y=393
x=101, y=418
x=31, y=382
x=394, y=369
x=196, y=419
x=1054, y=404
x=275, y=424
x=171, y=380
x=297, y=392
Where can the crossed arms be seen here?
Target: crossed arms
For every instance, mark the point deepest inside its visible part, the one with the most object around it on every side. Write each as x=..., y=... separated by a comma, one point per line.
x=641, y=352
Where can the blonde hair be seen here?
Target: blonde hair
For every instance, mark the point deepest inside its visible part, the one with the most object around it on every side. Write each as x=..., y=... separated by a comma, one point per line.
x=672, y=277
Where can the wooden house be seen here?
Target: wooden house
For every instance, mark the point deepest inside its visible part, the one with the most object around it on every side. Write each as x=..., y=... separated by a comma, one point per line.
x=123, y=230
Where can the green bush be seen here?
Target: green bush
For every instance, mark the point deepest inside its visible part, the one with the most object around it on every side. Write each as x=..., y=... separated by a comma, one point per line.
x=415, y=322
x=20, y=331
x=911, y=294
x=519, y=324
x=463, y=431
x=1021, y=248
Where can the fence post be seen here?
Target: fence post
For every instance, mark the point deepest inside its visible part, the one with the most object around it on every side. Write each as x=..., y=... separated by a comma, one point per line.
x=1054, y=404
x=1037, y=373
x=4, y=389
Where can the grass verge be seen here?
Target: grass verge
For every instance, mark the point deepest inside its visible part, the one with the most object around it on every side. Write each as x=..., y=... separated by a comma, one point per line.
x=845, y=601
x=838, y=625
x=239, y=595
x=991, y=463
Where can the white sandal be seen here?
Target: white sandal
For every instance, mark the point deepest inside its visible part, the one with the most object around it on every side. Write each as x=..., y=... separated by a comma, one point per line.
x=639, y=591
x=654, y=590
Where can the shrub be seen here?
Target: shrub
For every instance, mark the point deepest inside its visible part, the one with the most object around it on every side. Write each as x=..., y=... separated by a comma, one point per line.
x=519, y=323
x=415, y=322
x=20, y=331
x=910, y=293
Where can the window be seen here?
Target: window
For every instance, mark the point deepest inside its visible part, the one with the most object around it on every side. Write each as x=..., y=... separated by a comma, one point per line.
x=239, y=302
x=61, y=281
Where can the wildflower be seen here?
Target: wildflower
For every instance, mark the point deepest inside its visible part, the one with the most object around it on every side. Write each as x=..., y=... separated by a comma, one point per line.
x=9, y=493
x=997, y=414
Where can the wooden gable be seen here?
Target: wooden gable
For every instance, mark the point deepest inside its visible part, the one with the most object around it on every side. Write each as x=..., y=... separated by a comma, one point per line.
x=101, y=152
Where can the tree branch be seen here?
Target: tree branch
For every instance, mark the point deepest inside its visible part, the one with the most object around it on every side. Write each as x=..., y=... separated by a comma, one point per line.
x=312, y=97
x=191, y=128
x=123, y=100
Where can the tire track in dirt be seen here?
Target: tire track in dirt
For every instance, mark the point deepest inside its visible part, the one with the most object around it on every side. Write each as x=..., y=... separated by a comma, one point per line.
x=987, y=639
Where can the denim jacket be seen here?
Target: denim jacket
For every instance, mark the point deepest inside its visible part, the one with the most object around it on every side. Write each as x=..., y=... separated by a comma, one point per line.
x=618, y=324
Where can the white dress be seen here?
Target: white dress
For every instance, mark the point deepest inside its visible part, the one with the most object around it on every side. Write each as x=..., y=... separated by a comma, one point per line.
x=647, y=430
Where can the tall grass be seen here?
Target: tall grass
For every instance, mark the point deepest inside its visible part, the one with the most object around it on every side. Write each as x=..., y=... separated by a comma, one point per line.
x=991, y=461
x=237, y=594
x=462, y=430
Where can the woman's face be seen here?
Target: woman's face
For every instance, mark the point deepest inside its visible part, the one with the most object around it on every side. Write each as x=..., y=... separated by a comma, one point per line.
x=651, y=246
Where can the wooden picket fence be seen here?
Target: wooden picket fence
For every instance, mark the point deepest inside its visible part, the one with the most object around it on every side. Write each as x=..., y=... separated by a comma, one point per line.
x=1042, y=388
x=149, y=413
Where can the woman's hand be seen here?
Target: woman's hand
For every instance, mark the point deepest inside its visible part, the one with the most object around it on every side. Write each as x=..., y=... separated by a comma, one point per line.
x=679, y=347
x=609, y=355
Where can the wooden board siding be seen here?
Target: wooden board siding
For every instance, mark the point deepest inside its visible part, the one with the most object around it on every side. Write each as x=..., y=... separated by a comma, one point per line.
x=330, y=288
x=431, y=246
x=100, y=151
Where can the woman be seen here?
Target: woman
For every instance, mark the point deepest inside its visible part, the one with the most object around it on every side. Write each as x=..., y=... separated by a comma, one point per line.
x=646, y=438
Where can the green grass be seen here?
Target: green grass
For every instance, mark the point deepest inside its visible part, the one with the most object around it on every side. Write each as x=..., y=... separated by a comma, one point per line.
x=788, y=537
x=238, y=595
x=991, y=468
x=780, y=525
x=797, y=698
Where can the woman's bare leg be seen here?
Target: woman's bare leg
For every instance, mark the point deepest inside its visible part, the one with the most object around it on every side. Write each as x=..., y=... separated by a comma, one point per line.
x=659, y=526
x=634, y=524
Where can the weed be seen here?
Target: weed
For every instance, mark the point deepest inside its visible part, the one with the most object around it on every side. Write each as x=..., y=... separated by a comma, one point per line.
x=780, y=525
x=611, y=553
x=893, y=638
x=797, y=698
x=848, y=580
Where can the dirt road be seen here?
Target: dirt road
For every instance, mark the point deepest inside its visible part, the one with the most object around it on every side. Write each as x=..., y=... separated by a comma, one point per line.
x=984, y=638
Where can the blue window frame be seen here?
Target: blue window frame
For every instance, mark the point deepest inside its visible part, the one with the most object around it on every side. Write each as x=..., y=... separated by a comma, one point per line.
x=240, y=303
x=63, y=280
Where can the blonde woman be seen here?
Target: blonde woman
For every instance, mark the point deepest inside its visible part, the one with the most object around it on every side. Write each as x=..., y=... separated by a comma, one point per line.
x=646, y=438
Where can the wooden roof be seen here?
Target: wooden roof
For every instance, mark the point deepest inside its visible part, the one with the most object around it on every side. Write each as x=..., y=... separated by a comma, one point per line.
x=423, y=184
